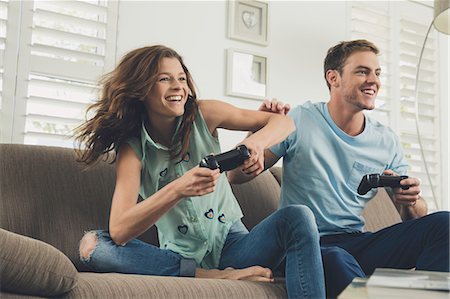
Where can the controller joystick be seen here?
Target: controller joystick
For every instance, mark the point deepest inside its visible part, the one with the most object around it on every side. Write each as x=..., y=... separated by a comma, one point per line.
x=376, y=180
x=227, y=160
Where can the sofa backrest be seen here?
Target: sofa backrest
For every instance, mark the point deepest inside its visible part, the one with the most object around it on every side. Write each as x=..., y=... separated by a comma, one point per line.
x=45, y=194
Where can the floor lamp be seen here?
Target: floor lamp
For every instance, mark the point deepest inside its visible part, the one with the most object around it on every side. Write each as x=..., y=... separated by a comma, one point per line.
x=441, y=23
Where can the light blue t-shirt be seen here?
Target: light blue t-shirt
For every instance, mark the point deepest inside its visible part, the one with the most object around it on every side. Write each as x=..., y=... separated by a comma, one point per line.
x=323, y=166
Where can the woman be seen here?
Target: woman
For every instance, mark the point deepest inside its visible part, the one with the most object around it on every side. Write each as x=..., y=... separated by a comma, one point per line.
x=149, y=115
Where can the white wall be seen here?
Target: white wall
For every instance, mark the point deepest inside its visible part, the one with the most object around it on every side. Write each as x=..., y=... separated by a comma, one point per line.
x=300, y=32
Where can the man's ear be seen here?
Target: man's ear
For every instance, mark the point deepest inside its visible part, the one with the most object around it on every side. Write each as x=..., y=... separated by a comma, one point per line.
x=333, y=78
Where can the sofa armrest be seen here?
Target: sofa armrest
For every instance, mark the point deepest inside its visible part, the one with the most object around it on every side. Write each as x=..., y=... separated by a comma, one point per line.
x=277, y=172
x=30, y=266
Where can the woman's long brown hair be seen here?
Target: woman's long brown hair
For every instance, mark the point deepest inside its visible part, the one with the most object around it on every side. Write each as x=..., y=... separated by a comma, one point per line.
x=120, y=110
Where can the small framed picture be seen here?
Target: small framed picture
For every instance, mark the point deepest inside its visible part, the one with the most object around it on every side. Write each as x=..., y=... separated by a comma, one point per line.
x=246, y=74
x=248, y=21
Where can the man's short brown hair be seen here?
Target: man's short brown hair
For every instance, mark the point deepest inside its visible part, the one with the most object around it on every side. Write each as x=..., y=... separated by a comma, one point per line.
x=337, y=55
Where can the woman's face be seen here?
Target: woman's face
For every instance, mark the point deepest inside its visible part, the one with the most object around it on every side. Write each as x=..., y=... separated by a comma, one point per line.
x=169, y=94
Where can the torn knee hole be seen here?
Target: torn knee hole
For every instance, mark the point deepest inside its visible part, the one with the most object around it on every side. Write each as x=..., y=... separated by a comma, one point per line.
x=87, y=245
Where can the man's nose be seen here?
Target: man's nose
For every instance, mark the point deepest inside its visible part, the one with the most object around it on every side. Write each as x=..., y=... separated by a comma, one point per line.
x=373, y=77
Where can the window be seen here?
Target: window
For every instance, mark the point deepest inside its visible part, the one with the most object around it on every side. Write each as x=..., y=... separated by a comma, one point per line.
x=399, y=29
x=3, y=29
x=63, y=48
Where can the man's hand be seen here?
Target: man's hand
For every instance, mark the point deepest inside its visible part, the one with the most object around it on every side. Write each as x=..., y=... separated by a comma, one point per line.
x=275, y=106
x=406, y=197
x=254, y=165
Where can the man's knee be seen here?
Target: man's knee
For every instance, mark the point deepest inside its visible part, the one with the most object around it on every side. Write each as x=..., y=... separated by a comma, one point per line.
x=441, y=218
x=340, y=267
x=338, y=260
x=87, y=245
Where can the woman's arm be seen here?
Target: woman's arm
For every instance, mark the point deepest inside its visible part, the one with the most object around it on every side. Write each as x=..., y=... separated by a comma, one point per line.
x=129, y=219
x=268, y=128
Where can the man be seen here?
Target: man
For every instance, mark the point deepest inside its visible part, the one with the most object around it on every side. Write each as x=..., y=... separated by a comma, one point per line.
x=324, y=160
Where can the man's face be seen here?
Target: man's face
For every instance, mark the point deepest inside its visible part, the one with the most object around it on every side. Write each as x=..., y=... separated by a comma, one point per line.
x=360, y=80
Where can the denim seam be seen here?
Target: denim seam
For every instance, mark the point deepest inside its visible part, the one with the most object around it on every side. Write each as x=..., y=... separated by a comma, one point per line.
x=300, y=260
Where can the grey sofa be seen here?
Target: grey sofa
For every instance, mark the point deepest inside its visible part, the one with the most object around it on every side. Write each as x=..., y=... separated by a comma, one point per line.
x=47, y=201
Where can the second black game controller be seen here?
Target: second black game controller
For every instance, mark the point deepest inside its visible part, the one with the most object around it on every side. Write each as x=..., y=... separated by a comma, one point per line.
x=227, y=160
x=376, y=180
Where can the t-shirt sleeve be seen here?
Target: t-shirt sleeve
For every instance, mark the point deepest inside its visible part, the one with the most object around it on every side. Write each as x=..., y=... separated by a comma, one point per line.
x=282, y=148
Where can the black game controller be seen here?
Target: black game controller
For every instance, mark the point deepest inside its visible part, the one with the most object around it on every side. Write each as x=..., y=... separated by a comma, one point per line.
x=227, y=160
x=375, y=180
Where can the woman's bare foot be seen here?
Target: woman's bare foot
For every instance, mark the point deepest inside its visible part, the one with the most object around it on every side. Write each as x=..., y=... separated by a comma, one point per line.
x=255, y=273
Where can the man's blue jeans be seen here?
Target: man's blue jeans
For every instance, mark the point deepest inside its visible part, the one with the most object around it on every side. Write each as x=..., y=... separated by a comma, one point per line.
x=286, y=239
x=421, y=243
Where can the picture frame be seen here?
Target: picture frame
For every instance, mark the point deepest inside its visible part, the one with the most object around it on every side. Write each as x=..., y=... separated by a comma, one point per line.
x=248, y=21
x=246, y=74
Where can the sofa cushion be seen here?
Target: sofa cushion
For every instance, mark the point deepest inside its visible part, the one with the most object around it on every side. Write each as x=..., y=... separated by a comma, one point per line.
x=123, y=286
x=33, y=267
x=258, y=198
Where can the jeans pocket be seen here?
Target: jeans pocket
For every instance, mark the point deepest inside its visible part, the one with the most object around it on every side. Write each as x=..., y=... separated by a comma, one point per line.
x=356, y=174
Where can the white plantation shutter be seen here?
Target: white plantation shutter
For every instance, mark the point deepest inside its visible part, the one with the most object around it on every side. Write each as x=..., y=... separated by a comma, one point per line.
x=3, y=24
x=411, y=40
x=64, y=48
x=399, y=29
x=374, y=21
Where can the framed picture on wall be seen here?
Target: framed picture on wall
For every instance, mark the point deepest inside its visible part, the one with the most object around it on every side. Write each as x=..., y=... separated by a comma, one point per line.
x=246, y=74
x=248, y=21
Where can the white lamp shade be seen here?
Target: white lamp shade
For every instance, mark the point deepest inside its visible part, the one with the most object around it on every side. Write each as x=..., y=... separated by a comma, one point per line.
x=442, y=15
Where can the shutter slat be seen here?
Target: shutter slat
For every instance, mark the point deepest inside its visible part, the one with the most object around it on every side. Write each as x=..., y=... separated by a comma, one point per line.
x=69, y=36
x=84, y=102
x=66, y=54
x=70, y=20
x=54, y=119
x=87, y=10
x=52, y=67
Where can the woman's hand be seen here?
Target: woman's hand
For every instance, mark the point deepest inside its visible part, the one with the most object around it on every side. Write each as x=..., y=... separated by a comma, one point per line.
x=197, y=182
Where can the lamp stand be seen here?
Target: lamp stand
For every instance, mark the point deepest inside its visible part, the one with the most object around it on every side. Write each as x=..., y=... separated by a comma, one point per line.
x=416, y=105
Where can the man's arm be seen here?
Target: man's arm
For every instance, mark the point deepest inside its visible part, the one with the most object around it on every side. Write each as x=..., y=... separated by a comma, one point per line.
x=245, y=173
x=408, y=202
x=411, y=211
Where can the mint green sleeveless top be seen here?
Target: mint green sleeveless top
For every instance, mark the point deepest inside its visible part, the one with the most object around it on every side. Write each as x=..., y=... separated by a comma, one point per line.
x=196, y=227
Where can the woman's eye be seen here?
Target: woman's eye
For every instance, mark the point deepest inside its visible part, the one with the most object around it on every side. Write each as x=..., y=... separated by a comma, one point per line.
x=164, y=79
x=182, y=79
